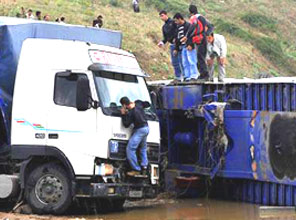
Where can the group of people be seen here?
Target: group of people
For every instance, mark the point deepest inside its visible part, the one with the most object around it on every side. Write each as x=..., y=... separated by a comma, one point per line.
x=193, y=46
x=38, y=16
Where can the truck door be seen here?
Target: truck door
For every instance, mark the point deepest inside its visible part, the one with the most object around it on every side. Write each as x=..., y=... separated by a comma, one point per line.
x=72, y=131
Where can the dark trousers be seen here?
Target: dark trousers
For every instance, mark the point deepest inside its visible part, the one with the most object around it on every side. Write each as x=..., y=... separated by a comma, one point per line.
x=201, y=59
x=136, y=8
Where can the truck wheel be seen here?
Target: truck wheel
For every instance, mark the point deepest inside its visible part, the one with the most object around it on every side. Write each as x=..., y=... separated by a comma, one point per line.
x=48, y=189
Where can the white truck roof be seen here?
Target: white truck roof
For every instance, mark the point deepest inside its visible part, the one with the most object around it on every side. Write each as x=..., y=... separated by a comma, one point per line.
x=77, y=55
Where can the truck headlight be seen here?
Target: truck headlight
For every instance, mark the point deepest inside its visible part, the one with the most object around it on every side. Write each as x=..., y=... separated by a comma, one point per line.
x=113, y=146
x=154, y=174
x=104, y=169
x=117, y=149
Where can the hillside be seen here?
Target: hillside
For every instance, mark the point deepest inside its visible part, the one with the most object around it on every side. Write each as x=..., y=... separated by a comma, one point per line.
x=260, y=34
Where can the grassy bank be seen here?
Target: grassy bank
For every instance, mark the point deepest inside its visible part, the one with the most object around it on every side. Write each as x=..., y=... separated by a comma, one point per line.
x=260, y=34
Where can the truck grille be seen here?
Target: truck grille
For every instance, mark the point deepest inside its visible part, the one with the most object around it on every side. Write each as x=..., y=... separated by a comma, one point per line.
x=117, y=151
x=153, y=152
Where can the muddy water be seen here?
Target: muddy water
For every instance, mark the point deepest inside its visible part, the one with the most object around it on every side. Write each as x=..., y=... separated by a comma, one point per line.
x=201, y=209
x=198, y=210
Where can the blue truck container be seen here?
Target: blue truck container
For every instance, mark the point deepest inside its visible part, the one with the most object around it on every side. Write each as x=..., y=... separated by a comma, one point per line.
x=13, y=31
x=251, y=153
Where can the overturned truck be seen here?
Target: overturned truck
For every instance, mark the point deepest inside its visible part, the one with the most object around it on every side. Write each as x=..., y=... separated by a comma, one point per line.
x=237, y=137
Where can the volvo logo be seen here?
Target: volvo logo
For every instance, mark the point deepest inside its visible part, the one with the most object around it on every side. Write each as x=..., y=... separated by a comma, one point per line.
x=119, y=135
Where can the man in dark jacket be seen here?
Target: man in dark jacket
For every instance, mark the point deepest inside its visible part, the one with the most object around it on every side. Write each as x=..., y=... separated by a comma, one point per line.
x=186, y=47
x=169, y=31
x=202, y=27
x=133, y=113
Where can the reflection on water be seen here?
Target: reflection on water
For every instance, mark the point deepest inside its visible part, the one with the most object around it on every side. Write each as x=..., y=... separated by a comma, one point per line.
x=200, y=209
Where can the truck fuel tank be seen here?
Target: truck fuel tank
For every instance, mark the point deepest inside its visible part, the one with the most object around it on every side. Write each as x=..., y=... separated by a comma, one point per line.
x=9, y=186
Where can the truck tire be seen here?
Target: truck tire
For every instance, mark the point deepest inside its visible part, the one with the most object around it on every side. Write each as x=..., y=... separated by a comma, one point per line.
x=48, y=189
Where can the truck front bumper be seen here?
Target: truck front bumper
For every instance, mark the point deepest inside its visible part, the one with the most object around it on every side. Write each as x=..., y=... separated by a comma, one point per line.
x=117, y=190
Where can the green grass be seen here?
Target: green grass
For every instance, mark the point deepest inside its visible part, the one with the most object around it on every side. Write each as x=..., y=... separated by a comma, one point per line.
x=115, y=3
x=260, y=21
x=257, y=42
x=172, y=6
x=270, y=48
x=223, y=26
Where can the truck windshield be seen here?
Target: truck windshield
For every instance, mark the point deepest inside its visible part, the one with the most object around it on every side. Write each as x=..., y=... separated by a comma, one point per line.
x=113, y=86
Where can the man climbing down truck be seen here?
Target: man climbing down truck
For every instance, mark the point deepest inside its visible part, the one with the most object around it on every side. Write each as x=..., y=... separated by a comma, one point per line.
x=133, y=113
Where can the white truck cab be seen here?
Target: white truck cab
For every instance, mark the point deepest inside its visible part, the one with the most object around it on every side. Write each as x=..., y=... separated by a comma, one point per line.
x=66, y=124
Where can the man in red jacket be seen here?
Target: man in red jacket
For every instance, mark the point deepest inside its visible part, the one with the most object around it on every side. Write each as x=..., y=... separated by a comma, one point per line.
x=202, y=27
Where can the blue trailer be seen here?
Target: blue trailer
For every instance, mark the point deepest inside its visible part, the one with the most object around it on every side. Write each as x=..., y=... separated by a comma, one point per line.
x=239, y=134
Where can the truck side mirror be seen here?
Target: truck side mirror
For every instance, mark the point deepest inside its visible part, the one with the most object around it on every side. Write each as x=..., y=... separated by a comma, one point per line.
x=83, y=95
x=153, y=97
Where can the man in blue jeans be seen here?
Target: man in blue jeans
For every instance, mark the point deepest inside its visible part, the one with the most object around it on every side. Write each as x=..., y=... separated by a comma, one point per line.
x=169, y=31
x=186, y=47
x=133, y=113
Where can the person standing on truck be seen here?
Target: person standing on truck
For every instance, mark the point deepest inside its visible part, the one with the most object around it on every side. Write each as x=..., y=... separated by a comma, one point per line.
x=202, y=26
x=169, y=31
x=217, y=48
x=133, y=113
x=186, y=47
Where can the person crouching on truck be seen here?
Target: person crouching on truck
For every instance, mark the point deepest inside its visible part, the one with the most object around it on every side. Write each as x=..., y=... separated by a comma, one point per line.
x=133, y=113
x=217, y=48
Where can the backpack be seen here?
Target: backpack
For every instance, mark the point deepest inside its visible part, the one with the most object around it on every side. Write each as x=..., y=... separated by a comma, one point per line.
x=199, y=29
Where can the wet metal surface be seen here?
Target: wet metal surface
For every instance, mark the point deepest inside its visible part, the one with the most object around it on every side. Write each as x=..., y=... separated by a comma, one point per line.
x=201, y=209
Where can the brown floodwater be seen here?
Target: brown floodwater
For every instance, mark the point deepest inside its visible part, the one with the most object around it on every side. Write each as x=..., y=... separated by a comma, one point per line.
x=198, y=209
x=169, y=209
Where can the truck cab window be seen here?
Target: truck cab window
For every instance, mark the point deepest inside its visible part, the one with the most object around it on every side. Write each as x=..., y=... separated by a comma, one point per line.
x=113, y=86
x=65, y=88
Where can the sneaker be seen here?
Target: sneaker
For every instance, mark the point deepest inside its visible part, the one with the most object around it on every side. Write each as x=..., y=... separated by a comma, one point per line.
x=193, y=80
x=220, y=80
x=133, y=173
